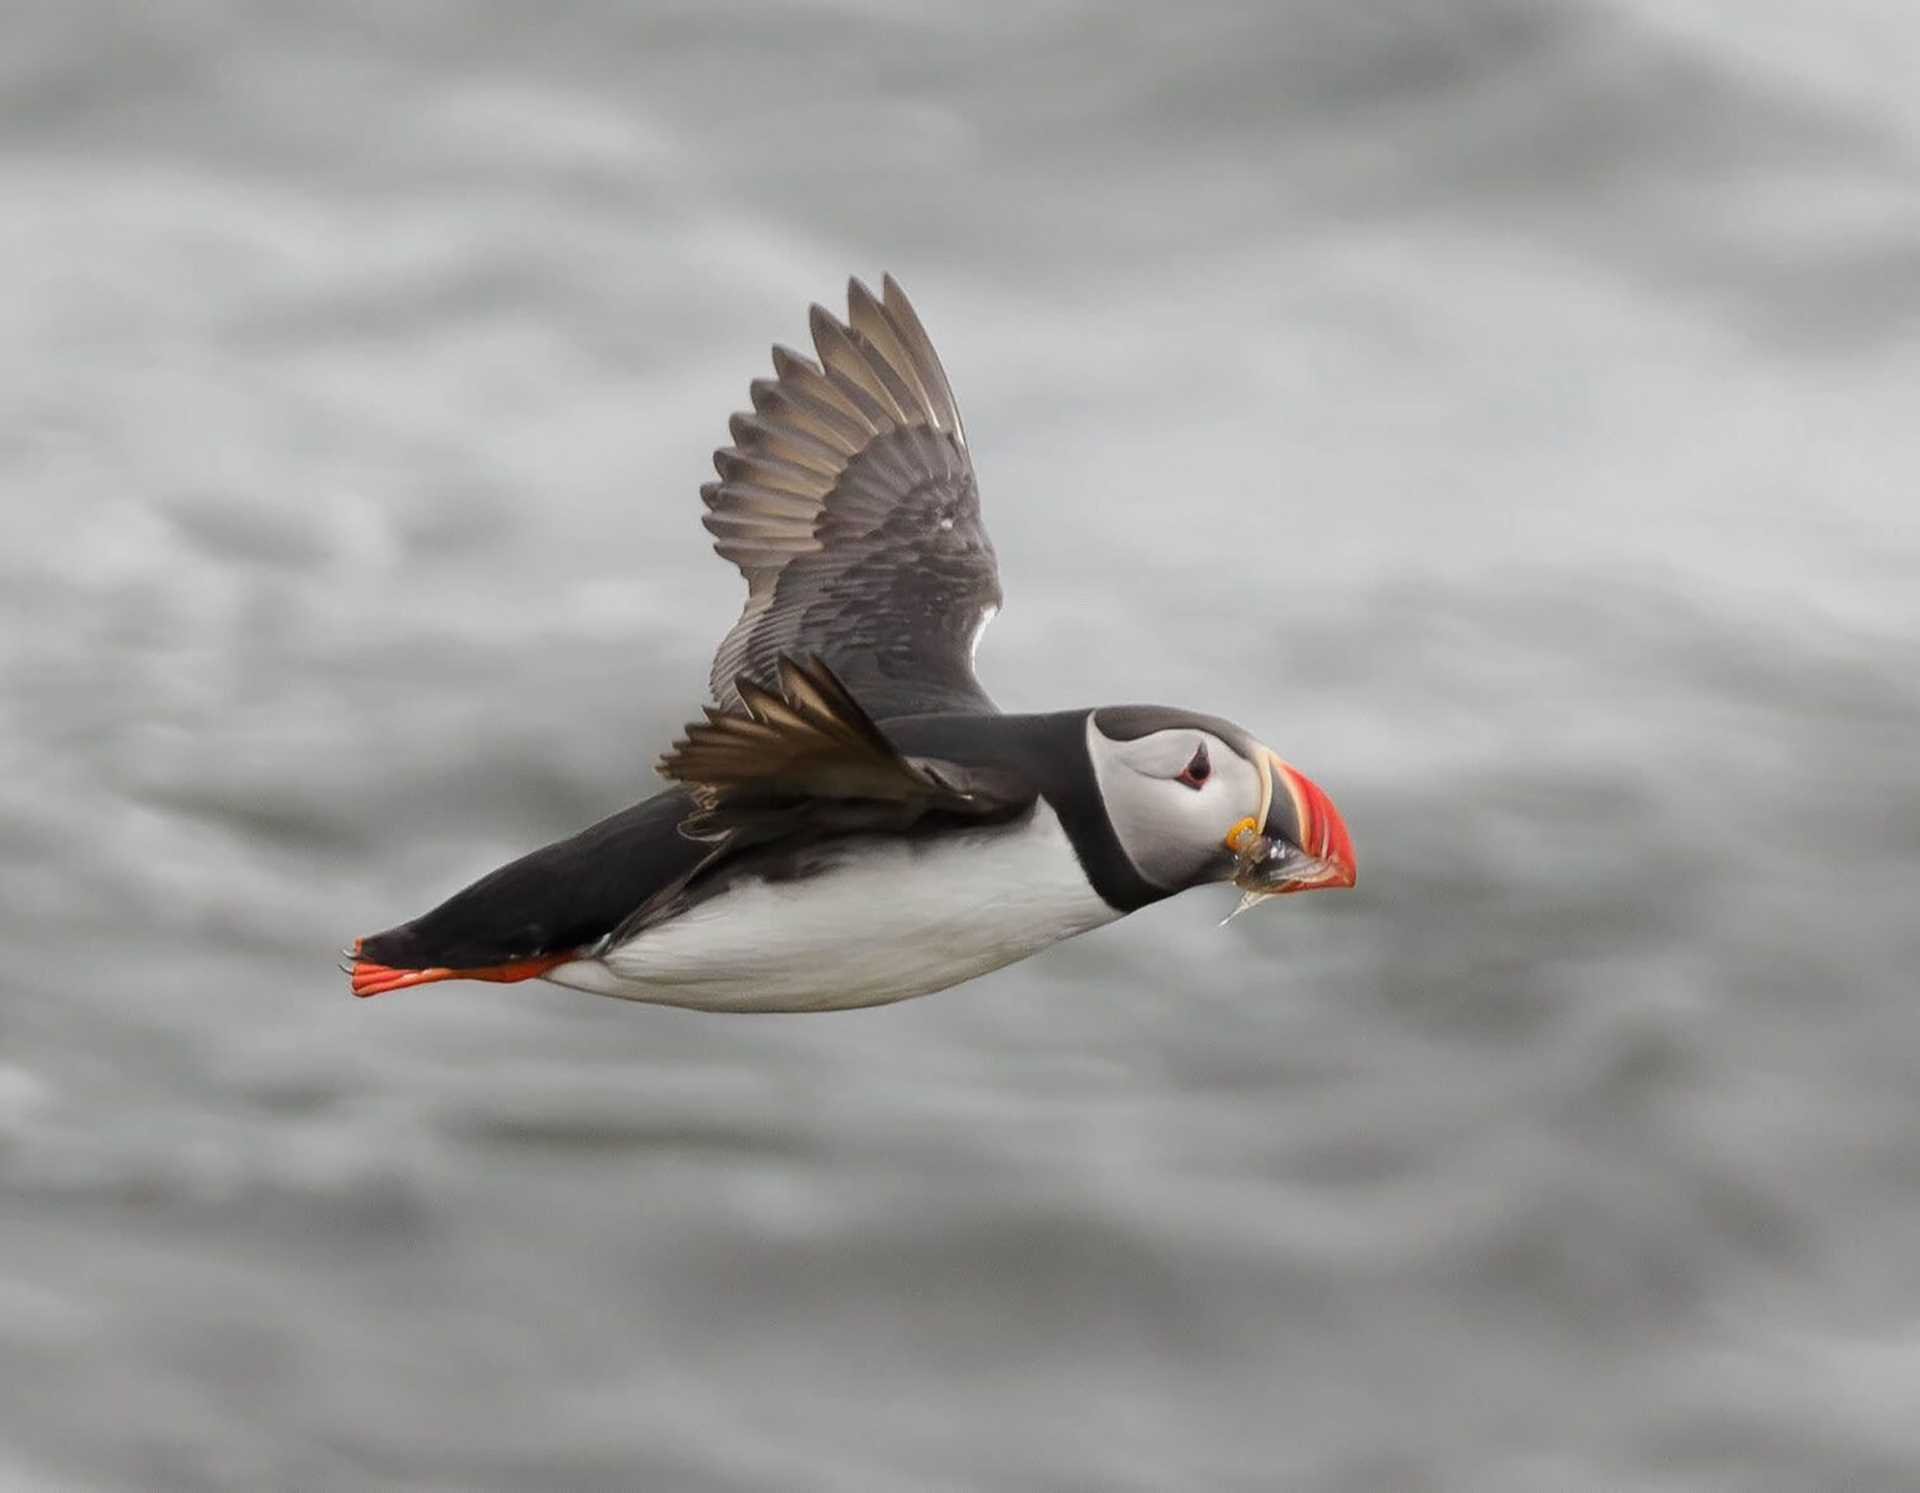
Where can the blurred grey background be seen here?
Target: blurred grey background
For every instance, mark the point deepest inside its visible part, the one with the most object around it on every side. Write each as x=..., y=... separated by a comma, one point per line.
x=1508, y=409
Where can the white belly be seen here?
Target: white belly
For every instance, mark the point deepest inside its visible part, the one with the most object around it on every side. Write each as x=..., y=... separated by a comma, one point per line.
x=896, y=918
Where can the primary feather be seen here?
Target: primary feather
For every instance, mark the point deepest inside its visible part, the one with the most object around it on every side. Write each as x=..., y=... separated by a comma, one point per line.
x=849, y=503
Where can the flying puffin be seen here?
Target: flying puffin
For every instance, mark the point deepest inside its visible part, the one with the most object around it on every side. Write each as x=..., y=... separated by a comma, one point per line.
x=854, y=821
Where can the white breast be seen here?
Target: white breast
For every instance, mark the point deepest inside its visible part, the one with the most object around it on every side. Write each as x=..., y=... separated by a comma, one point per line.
x=894, y=918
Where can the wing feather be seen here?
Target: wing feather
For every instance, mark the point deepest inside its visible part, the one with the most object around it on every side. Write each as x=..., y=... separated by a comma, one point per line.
x=805, y=485
x=849, y=503
x=891, y=357
x=753, y=434
x=913, y=336
x=847, y=365
x=821, y=418
x=808, y=759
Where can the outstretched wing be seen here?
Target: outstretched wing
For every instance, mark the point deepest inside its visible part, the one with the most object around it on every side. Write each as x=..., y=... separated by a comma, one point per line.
x=810, y=761
x=848, y=501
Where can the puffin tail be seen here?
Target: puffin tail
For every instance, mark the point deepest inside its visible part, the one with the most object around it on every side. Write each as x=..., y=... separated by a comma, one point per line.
x=367, y=968
x=538, y=912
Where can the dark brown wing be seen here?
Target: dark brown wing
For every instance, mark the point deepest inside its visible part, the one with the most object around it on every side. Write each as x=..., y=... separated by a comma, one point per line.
x=848, y=501
x=810, y=760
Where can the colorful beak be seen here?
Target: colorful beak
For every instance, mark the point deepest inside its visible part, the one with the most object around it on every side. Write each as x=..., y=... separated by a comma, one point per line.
x=1303, y=844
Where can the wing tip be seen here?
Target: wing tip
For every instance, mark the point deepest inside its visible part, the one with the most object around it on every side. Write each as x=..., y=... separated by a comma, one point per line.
x=823, y=327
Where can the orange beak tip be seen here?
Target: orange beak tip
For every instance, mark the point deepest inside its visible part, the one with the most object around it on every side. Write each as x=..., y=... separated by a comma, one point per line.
x=1324, y=832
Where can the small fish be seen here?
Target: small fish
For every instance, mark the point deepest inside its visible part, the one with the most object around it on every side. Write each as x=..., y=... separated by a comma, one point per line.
x=1266, y=868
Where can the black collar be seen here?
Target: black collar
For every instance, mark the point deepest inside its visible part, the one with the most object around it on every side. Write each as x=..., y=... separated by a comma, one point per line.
x=1050, y=751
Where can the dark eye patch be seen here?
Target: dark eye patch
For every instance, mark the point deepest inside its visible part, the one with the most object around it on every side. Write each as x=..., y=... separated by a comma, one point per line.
x=1197, y=771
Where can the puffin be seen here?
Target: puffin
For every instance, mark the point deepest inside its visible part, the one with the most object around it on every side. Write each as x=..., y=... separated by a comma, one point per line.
x=854, y=821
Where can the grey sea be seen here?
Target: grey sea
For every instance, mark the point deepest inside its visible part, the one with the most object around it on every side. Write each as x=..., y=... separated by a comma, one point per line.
x=1509, y=410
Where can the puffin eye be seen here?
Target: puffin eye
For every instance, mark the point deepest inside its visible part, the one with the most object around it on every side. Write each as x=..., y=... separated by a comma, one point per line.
x=1196, y=772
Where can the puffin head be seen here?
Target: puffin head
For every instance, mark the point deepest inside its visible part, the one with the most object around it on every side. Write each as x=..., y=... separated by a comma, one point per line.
x=1195, y=799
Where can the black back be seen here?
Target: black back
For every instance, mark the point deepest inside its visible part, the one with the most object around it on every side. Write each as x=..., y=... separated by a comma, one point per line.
x=570, y=895
x=563, y=897
x=1050, y=752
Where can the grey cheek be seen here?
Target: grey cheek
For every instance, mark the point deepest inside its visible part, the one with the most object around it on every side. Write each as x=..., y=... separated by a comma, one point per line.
x=1158, y=833
x=1160, y=838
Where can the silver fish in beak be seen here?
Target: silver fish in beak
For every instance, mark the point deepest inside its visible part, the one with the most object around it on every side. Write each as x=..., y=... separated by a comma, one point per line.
x=1299, y=844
